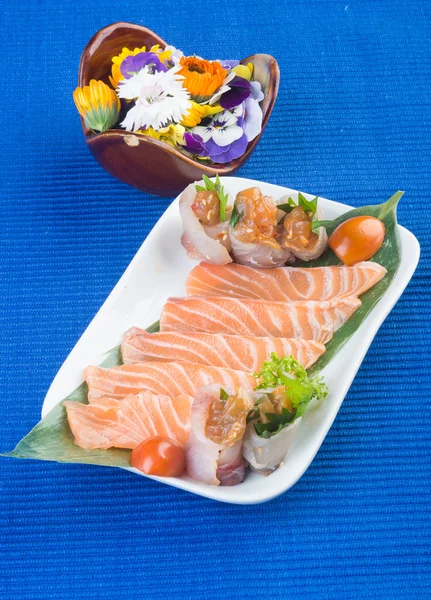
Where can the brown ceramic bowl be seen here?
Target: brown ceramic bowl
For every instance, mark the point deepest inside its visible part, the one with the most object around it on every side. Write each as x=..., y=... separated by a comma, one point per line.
x=147, y=164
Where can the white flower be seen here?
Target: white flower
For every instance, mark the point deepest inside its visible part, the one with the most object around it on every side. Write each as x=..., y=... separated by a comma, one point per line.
x=223, y=129
x=160, y=99
x=176, y=54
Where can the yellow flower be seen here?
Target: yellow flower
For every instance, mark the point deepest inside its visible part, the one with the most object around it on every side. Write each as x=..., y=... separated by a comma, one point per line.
x=245, y=71
x=98, y=105
x=117, y=76
x=198, y=112
x=172, y=134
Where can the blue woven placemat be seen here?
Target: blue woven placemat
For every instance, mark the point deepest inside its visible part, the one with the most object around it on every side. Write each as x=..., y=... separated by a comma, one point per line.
x=352, y=123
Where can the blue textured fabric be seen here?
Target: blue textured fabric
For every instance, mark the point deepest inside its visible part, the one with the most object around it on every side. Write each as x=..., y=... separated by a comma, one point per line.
x=352, y=122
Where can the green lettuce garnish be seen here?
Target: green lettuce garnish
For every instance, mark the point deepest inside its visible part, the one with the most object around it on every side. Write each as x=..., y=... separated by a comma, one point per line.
x=300, y=388
x=217, y=187
x=275, y=423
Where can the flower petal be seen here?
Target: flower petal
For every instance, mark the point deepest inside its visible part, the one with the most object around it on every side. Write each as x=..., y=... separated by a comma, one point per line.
x=229, y=64
x=240, y=90
x=133, y=64
x=238, y=112
x=224, y=119
x=224, y=88
x=204, y=132
x=214, y=149
x=226, y=135
x=256, y=91
x=194, y=144
x=231, y=152
x=252, y=124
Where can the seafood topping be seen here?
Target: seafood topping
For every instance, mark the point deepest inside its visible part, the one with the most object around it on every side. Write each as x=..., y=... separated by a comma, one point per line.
x=218, y=424
x=227, y=417
x=298, y=234
x=207, y=207
x=285, y=393
x=257, y=218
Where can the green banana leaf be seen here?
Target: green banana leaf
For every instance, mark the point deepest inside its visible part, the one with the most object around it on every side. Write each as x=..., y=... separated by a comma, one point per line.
x=52, y=438
x=389, y=256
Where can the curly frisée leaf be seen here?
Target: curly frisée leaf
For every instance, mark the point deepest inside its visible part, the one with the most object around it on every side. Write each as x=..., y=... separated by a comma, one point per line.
x=287, y=372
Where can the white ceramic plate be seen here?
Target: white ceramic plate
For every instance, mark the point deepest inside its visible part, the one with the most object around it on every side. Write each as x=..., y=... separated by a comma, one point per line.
x=159, y=270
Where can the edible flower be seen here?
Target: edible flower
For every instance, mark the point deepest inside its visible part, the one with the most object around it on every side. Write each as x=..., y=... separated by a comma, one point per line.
x=133, y=64
x=197, y=112
x=239, y=91
x=116, y=75
x=245, y=71
x=160, y=99
x=172, y=134
x=98, y=105
x=249, y=114
x=223, y=129
x=202, y=78
x=222, y=140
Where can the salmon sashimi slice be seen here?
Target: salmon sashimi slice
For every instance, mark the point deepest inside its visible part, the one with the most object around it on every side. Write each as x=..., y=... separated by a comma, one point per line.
x=126, y=424
x=167, y=378
x=243, y=316
x=283, y=284
x=219, y=350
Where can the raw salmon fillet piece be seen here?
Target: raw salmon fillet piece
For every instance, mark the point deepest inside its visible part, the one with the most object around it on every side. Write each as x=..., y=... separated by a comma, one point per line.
x=110, y=423
x=220, y=350
x=283, y=284
x=168, y=378
x=306, y=320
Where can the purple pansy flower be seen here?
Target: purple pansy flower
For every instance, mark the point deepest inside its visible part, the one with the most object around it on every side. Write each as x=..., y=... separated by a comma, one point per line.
x=223, y=129
x=240, y=90
x=194, y=144
x=249, y=114
x=224, y=154
x=228, y=64
x=252, y=124
x=133, y=64
x=222, y=140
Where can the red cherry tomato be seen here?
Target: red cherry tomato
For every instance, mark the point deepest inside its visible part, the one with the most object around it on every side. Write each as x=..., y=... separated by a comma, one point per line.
x=159, y=456
x=357, y=239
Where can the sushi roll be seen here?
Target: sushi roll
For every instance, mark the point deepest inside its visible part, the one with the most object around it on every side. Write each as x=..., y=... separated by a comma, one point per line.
x=205, y=211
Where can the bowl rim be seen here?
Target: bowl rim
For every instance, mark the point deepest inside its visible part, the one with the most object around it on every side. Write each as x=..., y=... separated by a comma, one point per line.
x=94, y=138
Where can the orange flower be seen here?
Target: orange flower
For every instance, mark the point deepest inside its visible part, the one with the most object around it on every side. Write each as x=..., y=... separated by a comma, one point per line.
x=202, y=78
x=98, y=105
